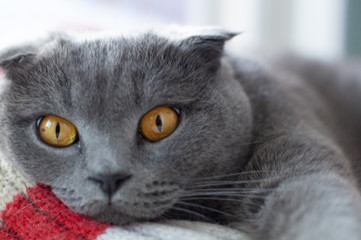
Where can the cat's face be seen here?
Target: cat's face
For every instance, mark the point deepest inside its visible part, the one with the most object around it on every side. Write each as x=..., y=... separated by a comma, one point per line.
x=104, y=88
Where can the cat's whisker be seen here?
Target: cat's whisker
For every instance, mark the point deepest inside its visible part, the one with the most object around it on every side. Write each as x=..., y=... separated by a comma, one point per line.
x=234, y=194
x=230, y=175
x=191, y=212
x=219, y=198
x=206, y=208
x=220, y=183
x=272, y=175
x=212, y=198
x=239, y=190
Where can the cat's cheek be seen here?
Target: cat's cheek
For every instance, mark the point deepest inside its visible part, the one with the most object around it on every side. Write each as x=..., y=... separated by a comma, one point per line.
x=138, y=199
x=46, y=164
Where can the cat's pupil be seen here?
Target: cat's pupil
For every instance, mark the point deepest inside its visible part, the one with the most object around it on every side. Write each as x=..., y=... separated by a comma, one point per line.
x=158, y=122
x=57, y=130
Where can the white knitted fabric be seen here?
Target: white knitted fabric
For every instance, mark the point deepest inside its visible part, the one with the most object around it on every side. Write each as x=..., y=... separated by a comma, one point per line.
x=11, y=183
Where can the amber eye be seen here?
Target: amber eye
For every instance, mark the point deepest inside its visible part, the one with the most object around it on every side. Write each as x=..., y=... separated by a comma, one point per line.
x=56, y=131
x=159, y=123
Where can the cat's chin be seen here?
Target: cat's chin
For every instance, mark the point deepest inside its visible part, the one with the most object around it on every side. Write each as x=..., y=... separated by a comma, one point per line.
x=113, y=218
x=118, y=218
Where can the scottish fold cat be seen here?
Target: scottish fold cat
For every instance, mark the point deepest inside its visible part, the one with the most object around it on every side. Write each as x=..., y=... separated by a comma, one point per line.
x=167, y=126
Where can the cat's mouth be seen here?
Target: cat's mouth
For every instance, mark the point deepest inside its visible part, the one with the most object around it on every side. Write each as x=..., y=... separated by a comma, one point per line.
x=124, y=212
x=130, y=206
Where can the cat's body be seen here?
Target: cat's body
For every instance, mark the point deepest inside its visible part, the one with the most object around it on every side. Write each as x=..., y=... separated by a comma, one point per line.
x=307, y=118
x=274, y=150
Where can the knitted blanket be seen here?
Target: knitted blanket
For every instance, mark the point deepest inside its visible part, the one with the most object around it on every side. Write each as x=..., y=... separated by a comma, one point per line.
x=32, y=211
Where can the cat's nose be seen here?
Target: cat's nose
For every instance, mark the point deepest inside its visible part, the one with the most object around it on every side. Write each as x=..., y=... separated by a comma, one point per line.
x=109, y=184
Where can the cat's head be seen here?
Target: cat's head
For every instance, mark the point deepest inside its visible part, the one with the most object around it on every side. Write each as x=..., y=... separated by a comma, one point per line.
x=107, y=98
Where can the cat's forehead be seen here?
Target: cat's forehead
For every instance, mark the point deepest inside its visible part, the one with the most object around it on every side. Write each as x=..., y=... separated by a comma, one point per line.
x=110, y=75
x=147, y=64
x=113, y=49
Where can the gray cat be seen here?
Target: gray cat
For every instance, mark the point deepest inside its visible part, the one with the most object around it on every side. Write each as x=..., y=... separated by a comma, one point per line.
x=156, y=127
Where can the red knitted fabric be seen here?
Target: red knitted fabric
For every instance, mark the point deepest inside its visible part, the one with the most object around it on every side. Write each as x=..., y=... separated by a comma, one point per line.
x=41, y=215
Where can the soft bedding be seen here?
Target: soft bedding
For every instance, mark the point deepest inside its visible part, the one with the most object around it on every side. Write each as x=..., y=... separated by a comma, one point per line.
x=32, y=211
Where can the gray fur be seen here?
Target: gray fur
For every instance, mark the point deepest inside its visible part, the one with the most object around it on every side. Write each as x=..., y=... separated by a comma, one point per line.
x=271, y=150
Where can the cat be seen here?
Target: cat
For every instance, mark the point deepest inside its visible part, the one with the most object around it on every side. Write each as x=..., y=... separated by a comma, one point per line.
x=166, y=125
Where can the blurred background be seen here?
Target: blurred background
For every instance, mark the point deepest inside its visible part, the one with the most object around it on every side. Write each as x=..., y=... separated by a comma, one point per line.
x=325, y=29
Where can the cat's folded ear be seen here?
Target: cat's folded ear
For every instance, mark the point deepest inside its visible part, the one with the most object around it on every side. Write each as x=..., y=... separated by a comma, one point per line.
x=16, y=61
x=206, y=44
x=21, y=57
x=18, y=57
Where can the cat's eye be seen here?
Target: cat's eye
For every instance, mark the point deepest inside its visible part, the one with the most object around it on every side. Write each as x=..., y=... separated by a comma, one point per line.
x=159, y=123
x=56, y=131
